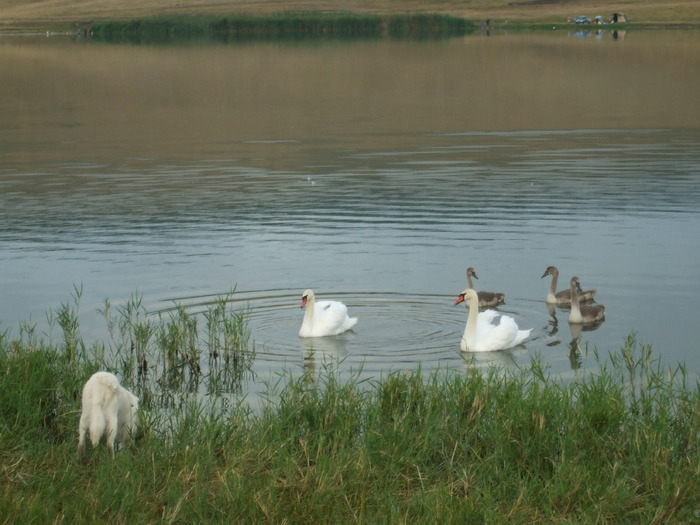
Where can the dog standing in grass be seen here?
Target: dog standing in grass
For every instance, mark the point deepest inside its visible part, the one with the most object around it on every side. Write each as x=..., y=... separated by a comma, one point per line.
x=109, y=410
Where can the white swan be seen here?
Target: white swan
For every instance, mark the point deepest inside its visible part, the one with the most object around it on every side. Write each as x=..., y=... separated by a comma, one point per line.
x=563, y=298
x=485, y=298
x=481, y=335
x=324, y=318
x=583, y=314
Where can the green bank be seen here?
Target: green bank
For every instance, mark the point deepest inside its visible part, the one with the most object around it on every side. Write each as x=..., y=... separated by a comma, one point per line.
x=495, y=446
x=282, y=26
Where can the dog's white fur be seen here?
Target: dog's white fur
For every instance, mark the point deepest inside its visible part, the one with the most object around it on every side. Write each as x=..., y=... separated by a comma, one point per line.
x=109, y=410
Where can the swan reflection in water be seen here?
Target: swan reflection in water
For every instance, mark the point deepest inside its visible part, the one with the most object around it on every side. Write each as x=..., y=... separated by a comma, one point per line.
x=326, y=350
x=503, y=359
x=575, y=329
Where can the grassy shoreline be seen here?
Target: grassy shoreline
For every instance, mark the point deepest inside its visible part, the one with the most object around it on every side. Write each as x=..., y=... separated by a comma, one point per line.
x=284, y=26
x=620, y=446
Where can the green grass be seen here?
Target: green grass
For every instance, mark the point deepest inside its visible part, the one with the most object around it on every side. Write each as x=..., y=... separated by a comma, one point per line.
x=284, y=26
x=620, y=446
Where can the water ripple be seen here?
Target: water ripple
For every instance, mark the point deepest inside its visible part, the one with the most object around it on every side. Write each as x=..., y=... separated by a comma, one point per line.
x=395, y=331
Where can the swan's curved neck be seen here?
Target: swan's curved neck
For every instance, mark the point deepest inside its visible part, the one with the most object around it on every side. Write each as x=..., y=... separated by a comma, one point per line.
x=469, y=281
x=575, y=310
x=470, y=330
x=310, y=305
x=553, y=284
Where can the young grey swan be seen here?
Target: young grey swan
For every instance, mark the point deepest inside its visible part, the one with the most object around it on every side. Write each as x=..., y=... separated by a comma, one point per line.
x=563, y=298
x=485, y=298
x=583, y=314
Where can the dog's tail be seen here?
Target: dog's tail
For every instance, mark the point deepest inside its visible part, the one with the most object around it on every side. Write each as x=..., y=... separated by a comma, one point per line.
x=101, y=399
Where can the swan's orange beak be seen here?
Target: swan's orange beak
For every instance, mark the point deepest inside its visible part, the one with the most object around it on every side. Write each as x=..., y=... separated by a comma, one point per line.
x=303, y=301
x=460, y=298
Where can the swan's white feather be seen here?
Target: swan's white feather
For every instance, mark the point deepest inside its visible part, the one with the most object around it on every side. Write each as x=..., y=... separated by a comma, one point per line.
x=324, y=318
x=483, y=334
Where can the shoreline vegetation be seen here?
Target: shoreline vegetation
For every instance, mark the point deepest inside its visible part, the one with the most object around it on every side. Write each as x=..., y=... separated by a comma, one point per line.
x=282, y=27
x=485, y=446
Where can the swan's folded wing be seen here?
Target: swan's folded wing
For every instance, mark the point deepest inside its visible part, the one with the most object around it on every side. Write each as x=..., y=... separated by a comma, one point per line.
x=487, y=317
x=331, y=318
x=522, y=335
x=506, y=334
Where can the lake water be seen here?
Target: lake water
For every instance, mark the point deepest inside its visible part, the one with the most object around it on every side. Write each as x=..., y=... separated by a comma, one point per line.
x=374, y=173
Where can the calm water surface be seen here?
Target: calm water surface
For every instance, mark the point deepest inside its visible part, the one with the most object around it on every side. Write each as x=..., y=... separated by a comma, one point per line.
x=372, y=172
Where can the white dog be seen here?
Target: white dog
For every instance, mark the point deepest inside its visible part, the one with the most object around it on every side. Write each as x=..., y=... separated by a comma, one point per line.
x=109, y=410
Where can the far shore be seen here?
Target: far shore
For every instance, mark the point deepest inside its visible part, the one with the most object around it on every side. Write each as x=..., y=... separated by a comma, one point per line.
x=62, y=16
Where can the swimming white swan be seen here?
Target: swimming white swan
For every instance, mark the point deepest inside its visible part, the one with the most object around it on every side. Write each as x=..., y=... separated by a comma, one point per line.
x=481, y=335
x=563, y=298
x=583, y=314
x=485, y=298
x=324, y=318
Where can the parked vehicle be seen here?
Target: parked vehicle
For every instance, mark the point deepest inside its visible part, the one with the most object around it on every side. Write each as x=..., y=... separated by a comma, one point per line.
x=583, y=19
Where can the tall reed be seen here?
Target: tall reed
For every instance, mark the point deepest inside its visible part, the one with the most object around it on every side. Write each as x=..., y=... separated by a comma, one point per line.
x=166, y=354
x=67, y=318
